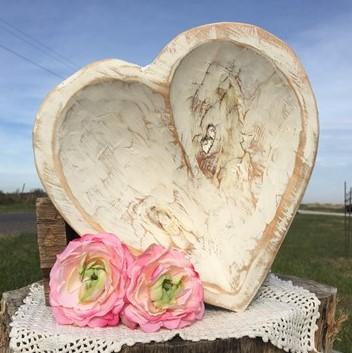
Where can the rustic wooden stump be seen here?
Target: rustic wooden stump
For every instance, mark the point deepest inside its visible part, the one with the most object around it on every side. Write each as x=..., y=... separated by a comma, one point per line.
x=53, y=235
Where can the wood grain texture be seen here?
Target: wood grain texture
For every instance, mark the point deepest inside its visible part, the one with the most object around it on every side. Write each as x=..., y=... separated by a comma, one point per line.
x=208, y=149
x=327, y=296
x=51, y=236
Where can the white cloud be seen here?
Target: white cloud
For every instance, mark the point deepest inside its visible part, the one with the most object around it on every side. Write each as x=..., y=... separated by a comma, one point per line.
x=326, y=53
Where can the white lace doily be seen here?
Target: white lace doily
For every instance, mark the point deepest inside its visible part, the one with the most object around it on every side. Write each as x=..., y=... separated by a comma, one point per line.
x=281, y=313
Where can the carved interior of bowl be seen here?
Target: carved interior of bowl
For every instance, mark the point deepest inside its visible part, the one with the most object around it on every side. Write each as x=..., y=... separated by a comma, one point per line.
x=214, y=165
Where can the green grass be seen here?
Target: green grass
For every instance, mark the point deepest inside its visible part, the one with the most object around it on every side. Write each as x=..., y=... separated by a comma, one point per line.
x=313, y=248
x=16, y=207
x=19, y=261
x=322, y=207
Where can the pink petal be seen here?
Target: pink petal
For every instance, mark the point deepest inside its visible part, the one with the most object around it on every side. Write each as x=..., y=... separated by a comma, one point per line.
x=151, y=327
x=172, y=324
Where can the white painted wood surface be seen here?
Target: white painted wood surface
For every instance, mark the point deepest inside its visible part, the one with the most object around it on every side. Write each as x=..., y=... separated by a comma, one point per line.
x=208, y=149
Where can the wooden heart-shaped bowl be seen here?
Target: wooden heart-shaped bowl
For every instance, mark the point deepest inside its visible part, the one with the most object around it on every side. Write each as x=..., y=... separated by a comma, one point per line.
x=208, y=149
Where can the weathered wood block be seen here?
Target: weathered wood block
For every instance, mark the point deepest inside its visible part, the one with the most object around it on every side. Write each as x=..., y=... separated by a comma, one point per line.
x=53, y=234
x=326, y=294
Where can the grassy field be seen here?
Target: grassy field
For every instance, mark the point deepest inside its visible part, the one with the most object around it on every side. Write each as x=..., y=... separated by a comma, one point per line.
x=19, y=261
x=17, y=207
x=314, y=248
x=324, y=207
x=19, y=202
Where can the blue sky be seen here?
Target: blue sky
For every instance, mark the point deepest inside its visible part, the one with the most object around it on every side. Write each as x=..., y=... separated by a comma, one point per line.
x=84, y=31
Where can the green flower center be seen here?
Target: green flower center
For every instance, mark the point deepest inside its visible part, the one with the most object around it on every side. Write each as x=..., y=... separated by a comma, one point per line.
x=93, y=277
x=164, y=291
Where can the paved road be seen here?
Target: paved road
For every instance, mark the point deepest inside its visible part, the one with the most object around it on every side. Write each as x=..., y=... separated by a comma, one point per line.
x=321, y=213
x=17, y=222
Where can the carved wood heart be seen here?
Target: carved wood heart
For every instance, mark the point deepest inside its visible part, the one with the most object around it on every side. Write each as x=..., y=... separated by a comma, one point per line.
x=208, y=149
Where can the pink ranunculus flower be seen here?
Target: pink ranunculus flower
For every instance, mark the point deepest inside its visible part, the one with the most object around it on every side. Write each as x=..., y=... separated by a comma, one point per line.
x=88, y=281
x=164, y=291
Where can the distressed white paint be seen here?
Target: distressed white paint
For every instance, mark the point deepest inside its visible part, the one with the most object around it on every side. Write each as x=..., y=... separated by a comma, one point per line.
x=208, y=149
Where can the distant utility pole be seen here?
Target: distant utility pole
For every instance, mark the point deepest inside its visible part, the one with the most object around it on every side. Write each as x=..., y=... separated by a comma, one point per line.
x=23, y=186
x=347, y=218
